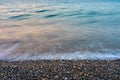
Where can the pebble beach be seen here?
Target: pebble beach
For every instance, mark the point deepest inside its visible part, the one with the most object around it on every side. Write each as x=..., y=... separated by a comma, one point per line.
x=60, y=70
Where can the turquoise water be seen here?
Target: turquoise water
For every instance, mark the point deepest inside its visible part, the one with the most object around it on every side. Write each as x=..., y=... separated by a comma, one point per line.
x=59, y=29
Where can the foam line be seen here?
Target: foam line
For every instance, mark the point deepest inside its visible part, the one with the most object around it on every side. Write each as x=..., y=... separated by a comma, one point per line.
x=69, y=56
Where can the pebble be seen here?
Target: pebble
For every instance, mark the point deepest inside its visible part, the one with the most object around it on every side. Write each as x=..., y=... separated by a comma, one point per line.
x=60, y=70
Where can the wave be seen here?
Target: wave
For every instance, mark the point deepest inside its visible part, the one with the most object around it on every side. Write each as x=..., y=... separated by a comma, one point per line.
x=77, y=11
x=61, y=56
x=20, y=17
x=106, y=55
x=51, y=15
x=44, y=10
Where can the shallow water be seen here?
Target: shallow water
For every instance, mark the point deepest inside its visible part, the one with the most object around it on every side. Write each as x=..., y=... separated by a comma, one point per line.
x=59, y=29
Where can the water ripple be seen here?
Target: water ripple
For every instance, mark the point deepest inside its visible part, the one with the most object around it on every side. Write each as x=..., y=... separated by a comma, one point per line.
x=20, y=17
x=45, y=10
x=51, y=15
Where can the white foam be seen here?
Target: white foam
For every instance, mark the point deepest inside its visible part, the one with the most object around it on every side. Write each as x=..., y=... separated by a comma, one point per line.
x=6, y=54
x=69, y=56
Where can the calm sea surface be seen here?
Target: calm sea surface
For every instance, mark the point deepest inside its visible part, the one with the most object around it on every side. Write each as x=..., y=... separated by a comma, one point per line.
x=59, y=29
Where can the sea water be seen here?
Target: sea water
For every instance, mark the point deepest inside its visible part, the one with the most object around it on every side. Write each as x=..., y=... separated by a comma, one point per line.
x=59, y=29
